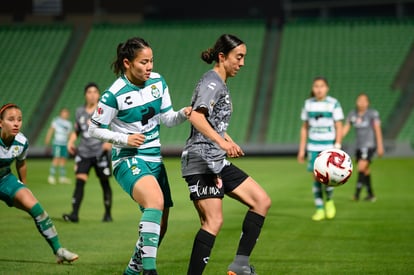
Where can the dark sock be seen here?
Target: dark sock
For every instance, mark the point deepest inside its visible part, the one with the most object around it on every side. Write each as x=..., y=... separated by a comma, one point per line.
x=368, y=184
x=252, y=226
x=77, y=197
x=203, y=243
x=360, y=184
x=107, y=196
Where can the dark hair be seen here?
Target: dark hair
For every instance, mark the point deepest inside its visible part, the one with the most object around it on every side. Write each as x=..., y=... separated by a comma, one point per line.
x=127, y=50
x=88, y=85
x=316, y=78
x=224, y=44
x=6, y=107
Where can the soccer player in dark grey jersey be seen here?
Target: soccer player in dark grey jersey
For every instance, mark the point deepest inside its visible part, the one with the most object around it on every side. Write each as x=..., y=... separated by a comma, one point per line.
x=89, y=153
x=208, y=173
x=367, y=124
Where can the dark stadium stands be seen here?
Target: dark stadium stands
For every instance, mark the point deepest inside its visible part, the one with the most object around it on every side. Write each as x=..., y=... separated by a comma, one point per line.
x=361, y=55
x=29, y=57
x=355, y=55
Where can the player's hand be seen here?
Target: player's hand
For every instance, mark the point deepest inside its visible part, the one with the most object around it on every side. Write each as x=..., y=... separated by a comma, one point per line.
x=106, y=146
x=136, y=140
x=232, y=149
x=187, y=111
x=71, y=149
x=301, y=156
x=380, y=151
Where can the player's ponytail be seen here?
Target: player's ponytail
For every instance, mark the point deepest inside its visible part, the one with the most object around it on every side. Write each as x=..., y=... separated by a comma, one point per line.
x=127, y=50
x=224, y=44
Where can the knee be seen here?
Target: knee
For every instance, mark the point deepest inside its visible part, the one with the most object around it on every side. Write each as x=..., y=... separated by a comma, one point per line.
x=213, y=225
x=266, y=203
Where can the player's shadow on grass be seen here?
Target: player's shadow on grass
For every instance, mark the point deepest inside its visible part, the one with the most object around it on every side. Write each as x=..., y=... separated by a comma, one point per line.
x=30, y=261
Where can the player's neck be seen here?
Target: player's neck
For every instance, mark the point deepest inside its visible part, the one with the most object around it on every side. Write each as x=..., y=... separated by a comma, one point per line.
x=90, y=107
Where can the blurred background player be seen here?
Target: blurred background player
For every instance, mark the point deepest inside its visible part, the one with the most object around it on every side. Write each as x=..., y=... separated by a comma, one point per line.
x=321, y=129
x=129, y=115
x=13, y=190
x=369, y=141
x=89, y=153
x=60, y=129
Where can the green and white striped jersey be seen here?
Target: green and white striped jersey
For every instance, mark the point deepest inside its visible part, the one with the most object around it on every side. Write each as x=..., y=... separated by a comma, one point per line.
x=321, y=116
x=63, y=128
x=17, y=150
x=127, y=109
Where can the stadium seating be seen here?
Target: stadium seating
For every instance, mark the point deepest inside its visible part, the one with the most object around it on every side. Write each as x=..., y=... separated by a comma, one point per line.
x=29, y=57
x=355, y=55
x=177, y=47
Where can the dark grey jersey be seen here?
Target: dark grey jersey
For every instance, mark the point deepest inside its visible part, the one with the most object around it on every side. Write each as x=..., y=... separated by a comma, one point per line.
x=364, y=127
x=88, y=146
x=200, y=154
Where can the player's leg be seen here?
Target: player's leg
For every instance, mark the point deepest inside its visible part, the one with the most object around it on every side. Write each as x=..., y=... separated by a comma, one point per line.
x=103, y=172
x=136, y=179
x=62, y=165
x=18, y=195
x=317, y=189
x=206, y=192
x=246, y=190
x=365, y=168
x=53, y=165
x=361, y=175
x=82, y=168
x=158, y=169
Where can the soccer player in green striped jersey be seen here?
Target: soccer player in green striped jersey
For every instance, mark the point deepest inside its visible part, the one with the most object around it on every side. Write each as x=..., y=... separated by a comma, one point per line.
x=321, y=129
x=59, y=129
x=129, y=115
x=13, y=190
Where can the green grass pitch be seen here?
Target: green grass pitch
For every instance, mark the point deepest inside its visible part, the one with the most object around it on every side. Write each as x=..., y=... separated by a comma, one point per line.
x=364, y=238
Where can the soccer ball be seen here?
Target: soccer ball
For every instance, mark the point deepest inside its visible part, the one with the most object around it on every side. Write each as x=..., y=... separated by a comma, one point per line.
x=332, y=167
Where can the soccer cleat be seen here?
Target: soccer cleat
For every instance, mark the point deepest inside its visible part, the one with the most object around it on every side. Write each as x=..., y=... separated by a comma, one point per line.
x=51, y=180
x=64, y=255
x=235, y=269
x=370, y=198
x=319, y=215
x=150, y=272
x=107, y=218
x=330, y=209
x=70, y=218
x=64, y=180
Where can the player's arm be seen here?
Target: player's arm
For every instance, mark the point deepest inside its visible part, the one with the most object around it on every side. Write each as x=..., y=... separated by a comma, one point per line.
x=49, y=135
x=379, y=138
x=199, y=121
x=339, y=134
x=71, y=142
x=346, y=129
x=302, y=142
x=21, y=169
x=172, y=118
x=102, y=118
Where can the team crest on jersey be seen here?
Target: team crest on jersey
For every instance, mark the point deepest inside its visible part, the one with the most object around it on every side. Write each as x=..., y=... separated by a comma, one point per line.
x=155, y=92
x=15, y=152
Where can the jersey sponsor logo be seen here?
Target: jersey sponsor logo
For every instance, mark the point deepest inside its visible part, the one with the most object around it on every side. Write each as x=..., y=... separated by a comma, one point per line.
x=128, y=100
x=99, y=111
x=205, y=190
x=212, y=85
x=155, y=92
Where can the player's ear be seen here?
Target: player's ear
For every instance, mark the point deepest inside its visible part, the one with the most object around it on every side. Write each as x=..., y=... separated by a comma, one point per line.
x=126, y=63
